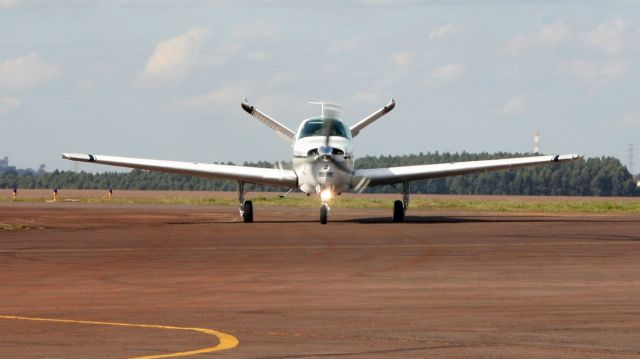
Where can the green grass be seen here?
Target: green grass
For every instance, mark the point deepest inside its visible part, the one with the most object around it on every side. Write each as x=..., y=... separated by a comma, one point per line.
x=564, y=205
x=551, y=206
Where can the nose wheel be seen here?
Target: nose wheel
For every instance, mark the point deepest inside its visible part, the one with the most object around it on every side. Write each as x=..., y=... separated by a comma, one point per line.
x=324, y=213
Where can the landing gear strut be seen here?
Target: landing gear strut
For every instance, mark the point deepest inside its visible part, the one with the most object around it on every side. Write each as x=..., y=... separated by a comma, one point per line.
x=245, y=207
x=400, y=207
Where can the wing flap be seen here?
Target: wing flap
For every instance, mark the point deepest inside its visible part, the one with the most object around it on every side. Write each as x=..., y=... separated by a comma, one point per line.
x=268, y=176
x=381, y=176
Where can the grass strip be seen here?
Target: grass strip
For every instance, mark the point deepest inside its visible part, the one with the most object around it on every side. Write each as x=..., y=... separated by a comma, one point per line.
x=12, y=227
x=512, y=205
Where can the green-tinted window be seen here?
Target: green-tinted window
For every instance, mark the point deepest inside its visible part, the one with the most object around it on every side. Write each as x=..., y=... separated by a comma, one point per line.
x=319, y=127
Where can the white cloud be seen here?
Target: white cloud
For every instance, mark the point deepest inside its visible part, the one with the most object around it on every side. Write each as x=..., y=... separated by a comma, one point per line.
x=516, y=105
x=8, y=3
x=366, y=97
x=555, y=33
x=445, y=74
x=280, y=79
x=352, y=45
x=225, y=97
x=26, y=71
x=548, y=35
x=402, y=60
x=629, y=120
x=595, y=73
x=222, y=55
x=8, y=103
x=173, y=59
x=257, y=56
x=445, y=31
x=257, y=31
x=608, y=36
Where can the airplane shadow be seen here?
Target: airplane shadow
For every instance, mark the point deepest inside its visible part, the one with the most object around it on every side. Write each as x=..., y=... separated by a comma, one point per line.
x=420, y=220
x=478, y=219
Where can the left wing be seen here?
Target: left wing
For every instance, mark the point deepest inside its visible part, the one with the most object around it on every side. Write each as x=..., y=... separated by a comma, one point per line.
x=268, y=176
x=380, y=176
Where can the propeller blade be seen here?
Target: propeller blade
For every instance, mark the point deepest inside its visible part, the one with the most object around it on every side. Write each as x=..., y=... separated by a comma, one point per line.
x=362, y=185
x=341, y=165
x=328, y=130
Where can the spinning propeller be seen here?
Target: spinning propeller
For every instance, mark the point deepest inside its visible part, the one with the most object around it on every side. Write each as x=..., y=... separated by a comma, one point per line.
x=326, y=153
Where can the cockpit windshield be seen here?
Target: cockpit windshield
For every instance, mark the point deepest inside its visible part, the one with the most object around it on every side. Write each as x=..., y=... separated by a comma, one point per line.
x=319, y=127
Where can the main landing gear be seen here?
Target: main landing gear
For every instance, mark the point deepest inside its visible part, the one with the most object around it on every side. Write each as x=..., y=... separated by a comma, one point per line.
x=400, y=207
x=245, y=207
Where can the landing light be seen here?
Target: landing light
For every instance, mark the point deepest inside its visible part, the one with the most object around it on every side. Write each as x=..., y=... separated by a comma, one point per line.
x=325, y=195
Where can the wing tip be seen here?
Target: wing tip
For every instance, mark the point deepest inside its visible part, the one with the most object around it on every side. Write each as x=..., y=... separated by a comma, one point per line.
x=79, y=157
x=568, y=157
x=248, y=108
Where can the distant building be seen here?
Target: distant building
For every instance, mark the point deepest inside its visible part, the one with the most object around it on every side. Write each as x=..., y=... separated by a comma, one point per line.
x=4, y=165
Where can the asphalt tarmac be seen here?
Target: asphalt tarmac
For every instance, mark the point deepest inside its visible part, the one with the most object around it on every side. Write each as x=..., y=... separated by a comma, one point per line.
x=116, y=281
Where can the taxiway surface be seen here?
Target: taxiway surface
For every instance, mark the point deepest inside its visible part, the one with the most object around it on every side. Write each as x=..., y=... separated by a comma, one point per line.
x=442, y=284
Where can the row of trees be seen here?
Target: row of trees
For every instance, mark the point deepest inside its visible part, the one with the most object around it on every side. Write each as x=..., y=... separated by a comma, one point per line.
x=604, y=176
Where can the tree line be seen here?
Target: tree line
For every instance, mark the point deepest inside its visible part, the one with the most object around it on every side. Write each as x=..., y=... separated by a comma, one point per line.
x=604, y=176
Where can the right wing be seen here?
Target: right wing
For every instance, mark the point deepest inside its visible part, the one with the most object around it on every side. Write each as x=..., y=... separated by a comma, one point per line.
x=268, y=176
x=381, y=176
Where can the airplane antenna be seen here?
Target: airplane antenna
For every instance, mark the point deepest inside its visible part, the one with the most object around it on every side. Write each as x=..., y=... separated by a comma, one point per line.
x=536, y=143
x=329, y=110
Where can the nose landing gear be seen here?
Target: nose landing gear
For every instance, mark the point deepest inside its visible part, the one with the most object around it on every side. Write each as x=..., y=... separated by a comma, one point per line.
x=324, y=213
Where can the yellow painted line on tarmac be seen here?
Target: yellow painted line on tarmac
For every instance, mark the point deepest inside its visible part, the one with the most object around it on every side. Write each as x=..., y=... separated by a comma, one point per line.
x=226, y=341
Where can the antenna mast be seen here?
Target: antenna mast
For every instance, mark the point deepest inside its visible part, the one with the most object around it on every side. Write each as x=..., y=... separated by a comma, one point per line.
x=536, y=143
x=630, y=157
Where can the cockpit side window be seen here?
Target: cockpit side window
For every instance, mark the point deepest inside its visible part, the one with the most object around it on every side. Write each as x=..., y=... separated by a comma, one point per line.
x=316, y=127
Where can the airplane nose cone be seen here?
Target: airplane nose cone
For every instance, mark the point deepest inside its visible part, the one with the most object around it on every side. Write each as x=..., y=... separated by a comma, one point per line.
x=325, y=152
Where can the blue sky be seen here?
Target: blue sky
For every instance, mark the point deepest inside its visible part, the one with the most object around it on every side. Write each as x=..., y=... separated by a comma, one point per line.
x=164, y=79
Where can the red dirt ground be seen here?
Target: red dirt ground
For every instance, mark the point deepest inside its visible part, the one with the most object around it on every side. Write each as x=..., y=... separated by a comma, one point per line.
x=443, y=284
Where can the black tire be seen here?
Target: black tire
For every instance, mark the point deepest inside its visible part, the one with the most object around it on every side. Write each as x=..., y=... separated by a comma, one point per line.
x=247, y=212
x=398, y=211
x=324, y=214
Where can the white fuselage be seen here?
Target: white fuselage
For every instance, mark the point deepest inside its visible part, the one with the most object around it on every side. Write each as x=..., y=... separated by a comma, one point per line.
x=323, y=162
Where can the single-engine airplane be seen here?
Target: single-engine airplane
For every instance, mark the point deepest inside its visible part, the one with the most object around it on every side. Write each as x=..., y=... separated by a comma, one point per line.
x=323, y=163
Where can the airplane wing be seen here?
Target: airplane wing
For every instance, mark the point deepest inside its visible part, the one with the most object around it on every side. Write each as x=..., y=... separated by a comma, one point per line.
x=381, y=176
x=268, y=176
